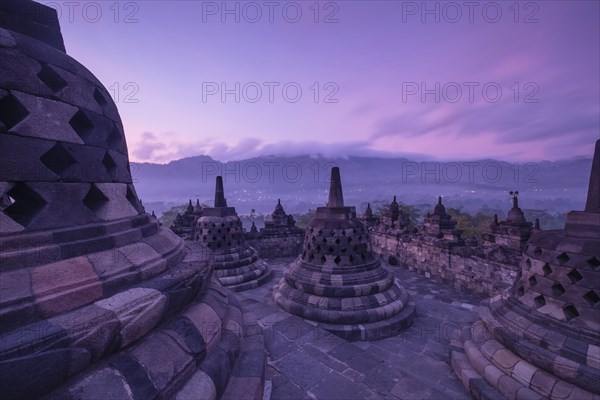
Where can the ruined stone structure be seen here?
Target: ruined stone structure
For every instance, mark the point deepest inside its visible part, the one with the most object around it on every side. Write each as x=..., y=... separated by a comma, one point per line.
x=96, y=300
x=368, y=218
x=279, y=238
x=337, y=281
x=236, y=264
x=394, y=221
x=440, y=225
x=184, y=225
x=541, y=339
x=439, y=251
x=514, y=232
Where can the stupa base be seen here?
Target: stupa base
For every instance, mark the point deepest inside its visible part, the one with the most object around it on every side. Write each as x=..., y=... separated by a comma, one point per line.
x=380, y=321
x=241, y=270
x=494, y=362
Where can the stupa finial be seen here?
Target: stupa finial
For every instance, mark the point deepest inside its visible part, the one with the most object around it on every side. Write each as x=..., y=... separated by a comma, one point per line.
x=515, y=198
x=220, y=200
x=592, y=204
x=336, y=197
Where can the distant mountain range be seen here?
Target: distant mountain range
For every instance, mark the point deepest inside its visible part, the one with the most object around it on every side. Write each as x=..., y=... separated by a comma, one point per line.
x=302, y=182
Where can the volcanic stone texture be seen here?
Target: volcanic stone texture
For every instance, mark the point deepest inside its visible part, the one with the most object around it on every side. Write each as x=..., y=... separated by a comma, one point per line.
x=237, y=265
x=337, y=282
x=96, y=299
x=541, y=339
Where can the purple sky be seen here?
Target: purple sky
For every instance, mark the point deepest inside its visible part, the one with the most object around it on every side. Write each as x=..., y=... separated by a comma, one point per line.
x=377, y=58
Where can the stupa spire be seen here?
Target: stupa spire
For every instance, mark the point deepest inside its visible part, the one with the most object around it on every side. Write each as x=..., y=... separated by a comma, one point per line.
x=220, y=200
x=592, y=204
x=336, y=197
x=515, y=199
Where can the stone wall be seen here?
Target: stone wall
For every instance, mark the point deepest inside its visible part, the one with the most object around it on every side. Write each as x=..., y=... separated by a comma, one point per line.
x=276, y=246
x=485, y=269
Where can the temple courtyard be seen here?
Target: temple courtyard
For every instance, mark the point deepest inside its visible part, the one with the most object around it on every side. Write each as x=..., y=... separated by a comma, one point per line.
x=306, y=362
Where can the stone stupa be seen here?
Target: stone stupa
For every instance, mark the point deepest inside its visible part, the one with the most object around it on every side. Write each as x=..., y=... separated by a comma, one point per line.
x=541, y=339
x=440, y=225
x=236, y=264
x=279, y=238
x=97, y=301
x=337, y=281
x=512, y=233
x=369, y=218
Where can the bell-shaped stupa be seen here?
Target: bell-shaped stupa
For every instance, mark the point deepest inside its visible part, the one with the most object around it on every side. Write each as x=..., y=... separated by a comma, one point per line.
x=541, y=339
x=97, y=301
x=337, y=281
x=236, y=264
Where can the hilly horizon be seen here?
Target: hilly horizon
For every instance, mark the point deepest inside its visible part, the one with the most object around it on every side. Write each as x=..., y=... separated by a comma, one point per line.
x=302, y=182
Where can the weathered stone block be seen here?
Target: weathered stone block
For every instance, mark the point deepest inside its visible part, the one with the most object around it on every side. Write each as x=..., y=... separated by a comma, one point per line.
x=65, y=285
x=138, y=310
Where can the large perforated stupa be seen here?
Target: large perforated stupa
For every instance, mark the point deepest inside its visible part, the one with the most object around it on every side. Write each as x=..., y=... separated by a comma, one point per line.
x=97, y=301
x=236, y=264
x=542, y=338
x=337, y=281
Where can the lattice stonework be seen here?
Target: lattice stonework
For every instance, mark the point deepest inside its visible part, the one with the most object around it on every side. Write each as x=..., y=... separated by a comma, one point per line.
x=220, y=235
x=557, y=283
x=340, y=246
x=57, y=113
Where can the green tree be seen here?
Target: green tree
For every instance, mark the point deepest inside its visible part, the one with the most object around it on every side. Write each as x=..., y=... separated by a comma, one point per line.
x=303, y=219
x=168, y=217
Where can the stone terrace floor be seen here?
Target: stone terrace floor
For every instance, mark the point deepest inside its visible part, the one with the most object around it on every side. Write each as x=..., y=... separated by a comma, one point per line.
x=305, y=362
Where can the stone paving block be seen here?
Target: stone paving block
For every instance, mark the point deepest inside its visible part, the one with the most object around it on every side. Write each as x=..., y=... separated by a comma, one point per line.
x=250, y=363
x=354, y=375
x=334, y=386
x=449, y=383
x=382, y=378
x=293, y=328
x=304, y=369
x=327, y=341
x=364, y=362
x=285, y=389
x=421, y=368
x=409, y=388
x=345, y=352
x=273, y=318
x=400, y=353
x=263, y=310
x=323, y=358
x=243, y=388
x=277, y=345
